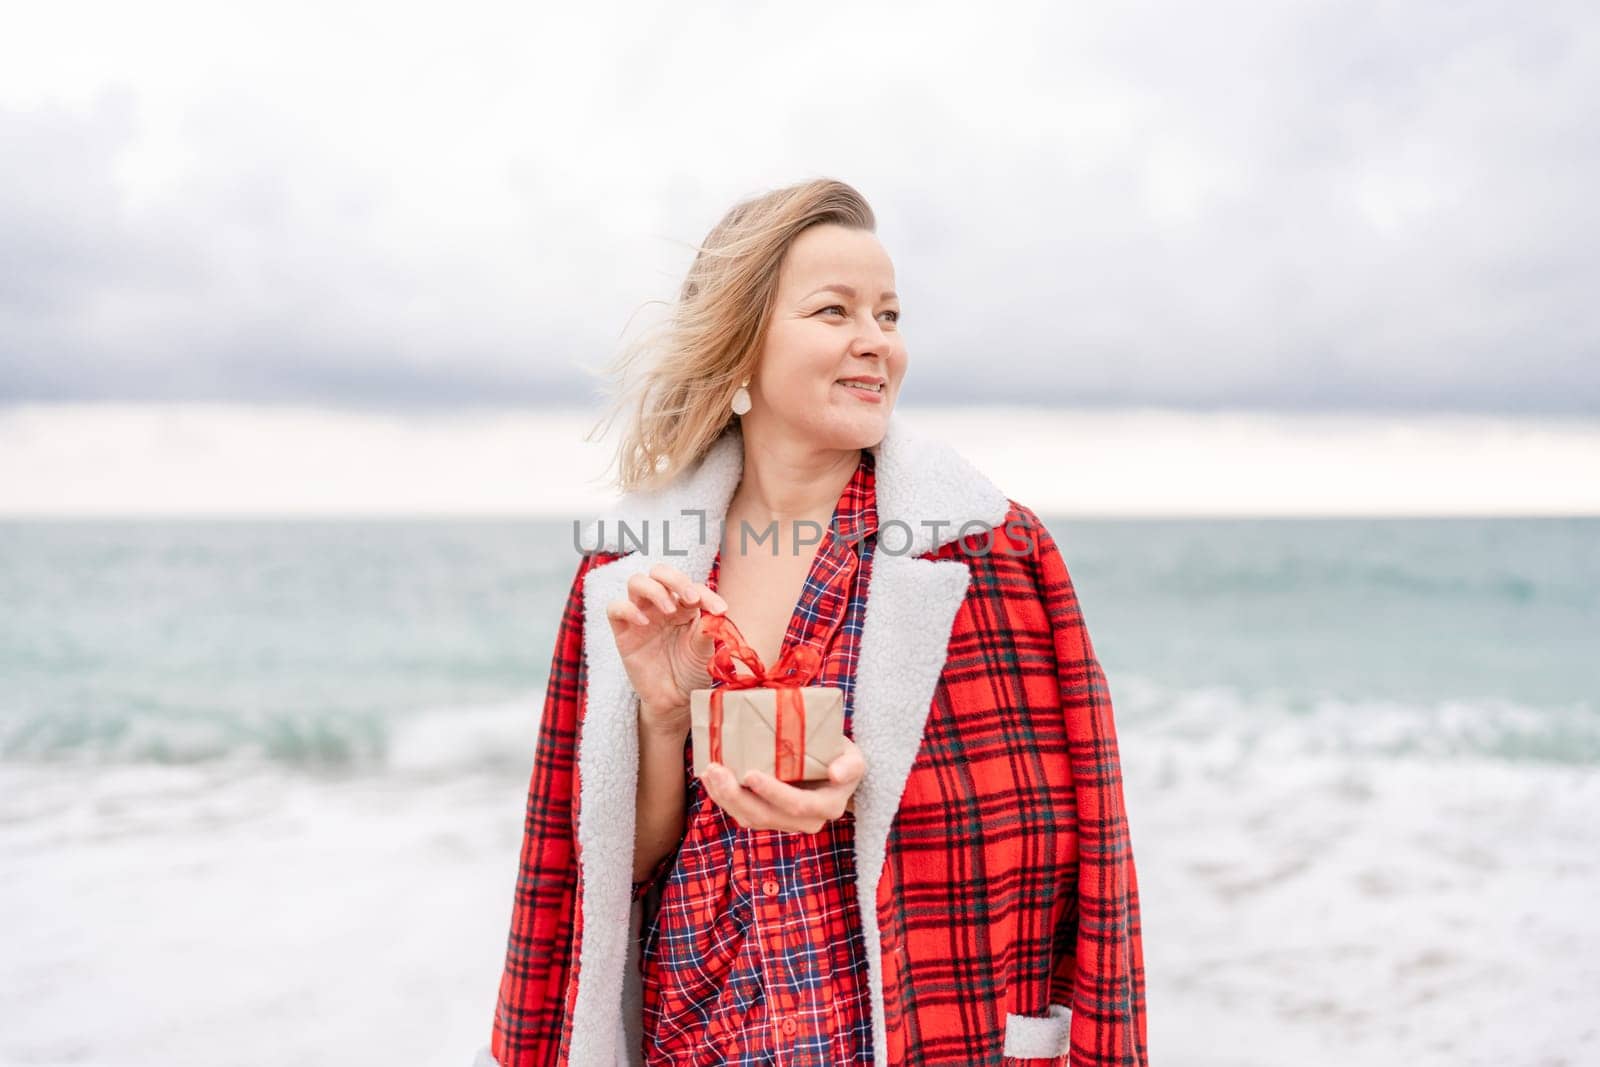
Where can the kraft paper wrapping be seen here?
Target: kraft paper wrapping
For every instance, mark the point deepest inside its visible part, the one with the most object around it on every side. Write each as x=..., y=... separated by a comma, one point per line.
x=749, y=732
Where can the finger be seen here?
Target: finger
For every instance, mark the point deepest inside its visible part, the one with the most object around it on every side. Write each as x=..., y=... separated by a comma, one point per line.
x=704, y=644
x=749, y=807
x=699, y=640
x=801, y=804
x=676, y=581
x=720, y=784
x=710, y=600
x=850, y=765
x=625, y=612
x=645, y=590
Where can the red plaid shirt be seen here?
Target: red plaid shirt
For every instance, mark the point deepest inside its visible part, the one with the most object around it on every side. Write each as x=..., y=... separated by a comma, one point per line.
x=756, y=954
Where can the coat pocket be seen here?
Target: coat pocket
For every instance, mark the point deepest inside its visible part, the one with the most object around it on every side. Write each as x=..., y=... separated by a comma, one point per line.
x=1038, y=1040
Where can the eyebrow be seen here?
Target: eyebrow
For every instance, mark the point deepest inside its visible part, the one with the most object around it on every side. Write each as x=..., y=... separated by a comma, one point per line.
x=887, y=294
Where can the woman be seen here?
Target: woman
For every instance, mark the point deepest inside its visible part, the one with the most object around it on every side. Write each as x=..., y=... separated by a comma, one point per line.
x=961, y=890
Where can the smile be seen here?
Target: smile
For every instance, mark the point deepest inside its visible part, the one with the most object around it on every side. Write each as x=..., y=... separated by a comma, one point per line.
x=872, y=391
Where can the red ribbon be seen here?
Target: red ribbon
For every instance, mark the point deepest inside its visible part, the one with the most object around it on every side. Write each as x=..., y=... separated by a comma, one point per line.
x=796, y=668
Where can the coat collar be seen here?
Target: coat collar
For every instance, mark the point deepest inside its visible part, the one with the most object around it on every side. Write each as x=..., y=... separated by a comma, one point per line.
x=910, y=612
x=920, y=480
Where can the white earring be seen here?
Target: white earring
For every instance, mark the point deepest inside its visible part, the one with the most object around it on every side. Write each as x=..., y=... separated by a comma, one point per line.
x=741, y=398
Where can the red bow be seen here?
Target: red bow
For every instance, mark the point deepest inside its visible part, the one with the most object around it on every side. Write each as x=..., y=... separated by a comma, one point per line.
x=794, y=669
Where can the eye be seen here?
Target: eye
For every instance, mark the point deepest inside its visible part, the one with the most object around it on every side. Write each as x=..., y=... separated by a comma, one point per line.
x=896, y=315
x=833, y=307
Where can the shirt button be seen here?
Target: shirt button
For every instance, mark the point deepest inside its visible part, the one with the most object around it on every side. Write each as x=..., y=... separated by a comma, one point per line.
x=790, y=1026
x=769, y=887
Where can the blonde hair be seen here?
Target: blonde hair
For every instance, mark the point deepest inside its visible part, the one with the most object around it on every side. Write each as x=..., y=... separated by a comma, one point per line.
x=695, y=360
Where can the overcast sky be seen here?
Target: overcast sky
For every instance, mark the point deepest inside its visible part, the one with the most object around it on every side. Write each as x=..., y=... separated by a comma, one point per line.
x=1288, y=205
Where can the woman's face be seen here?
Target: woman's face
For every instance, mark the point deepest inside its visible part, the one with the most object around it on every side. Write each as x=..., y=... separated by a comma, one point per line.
x=836, y=317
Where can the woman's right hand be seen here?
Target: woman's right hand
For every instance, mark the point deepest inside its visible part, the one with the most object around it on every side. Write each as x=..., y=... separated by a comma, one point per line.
x=658, y=631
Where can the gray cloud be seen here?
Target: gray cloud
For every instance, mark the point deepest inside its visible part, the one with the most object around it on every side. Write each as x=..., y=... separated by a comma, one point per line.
x=1301, y=206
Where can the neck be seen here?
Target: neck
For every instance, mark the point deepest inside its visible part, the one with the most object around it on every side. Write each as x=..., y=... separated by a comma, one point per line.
x=785, y=481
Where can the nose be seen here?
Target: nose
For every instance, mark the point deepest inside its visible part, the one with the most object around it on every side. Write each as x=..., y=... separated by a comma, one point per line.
x=876, y=339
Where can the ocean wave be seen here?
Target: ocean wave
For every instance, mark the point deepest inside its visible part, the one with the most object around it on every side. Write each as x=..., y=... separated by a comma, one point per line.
x=1230, y=724
x=495, y=738
x=1304, y=576
x=1219, y=723
x=492, y=737
x=150, y=737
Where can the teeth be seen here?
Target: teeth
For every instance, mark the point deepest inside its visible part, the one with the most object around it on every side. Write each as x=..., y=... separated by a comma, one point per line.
x=871, y=387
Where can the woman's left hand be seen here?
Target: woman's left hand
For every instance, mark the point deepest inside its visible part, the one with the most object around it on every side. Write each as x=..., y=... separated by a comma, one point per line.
x=762, y=802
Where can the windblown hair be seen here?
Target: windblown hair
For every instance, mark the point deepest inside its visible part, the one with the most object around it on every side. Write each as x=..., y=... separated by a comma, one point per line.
x=686, y=370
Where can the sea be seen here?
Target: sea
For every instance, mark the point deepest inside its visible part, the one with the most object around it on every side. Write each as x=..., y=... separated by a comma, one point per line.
x=262, y=783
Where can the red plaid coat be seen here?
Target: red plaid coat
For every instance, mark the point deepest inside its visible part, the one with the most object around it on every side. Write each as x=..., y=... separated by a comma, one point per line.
x=999, y=903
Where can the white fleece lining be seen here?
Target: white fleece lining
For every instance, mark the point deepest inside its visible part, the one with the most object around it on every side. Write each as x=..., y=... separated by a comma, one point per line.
x=910, y=611
x=1039, y=1037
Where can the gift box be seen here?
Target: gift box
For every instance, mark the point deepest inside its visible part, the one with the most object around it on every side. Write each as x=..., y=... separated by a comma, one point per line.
x=791, y=734
x=767, y=720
